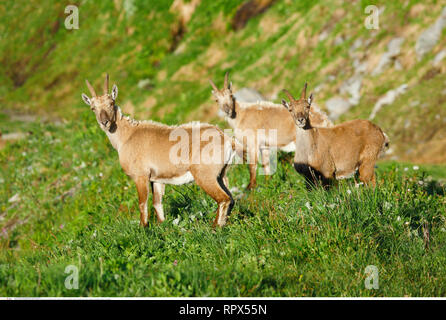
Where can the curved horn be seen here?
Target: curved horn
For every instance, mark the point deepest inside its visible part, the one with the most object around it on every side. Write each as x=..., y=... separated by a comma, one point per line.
x=106, y=84
x=289, y=95
x=226, y=80
x=213, y=85
x=304, y=91
x=93, y=93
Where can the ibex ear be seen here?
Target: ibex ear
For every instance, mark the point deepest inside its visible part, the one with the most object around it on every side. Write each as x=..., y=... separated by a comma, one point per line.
x=285, y=104
x=114, y=93
x=86, y=99
x=230, y=85
x=310, y=99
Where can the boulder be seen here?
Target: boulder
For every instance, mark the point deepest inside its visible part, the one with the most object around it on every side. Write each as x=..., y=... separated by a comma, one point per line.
x=388, y=98
x=352, y=86
x=389, y=57
x=248, y=95
x=439, y=57
x=337, y=106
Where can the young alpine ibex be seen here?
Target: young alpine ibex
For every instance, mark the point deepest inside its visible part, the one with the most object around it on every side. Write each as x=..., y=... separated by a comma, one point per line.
x=248, y=119
x=336, y=152
x=148, y=153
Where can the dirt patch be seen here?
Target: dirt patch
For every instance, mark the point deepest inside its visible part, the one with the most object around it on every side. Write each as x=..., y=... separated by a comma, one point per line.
x=207, y=112
x=431, y=73
x=149, y=103
x=333, y=67
x=198, y=70
x=189, y=72
x=166, y=109
x=337, y=15
x=416, y=10
x=432, y=152
x=129, y=108
x=213, y=56
x=249, y=10
x=184, y=10
x=219, y=23
x=407, y=58
x=162, y=75
x=270, y=25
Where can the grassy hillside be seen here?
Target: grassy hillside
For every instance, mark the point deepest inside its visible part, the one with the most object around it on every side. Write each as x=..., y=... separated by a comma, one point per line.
x=64, y=199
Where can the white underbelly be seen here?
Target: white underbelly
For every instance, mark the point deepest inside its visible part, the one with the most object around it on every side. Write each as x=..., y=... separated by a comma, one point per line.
x=185, y=178
x=290, y=147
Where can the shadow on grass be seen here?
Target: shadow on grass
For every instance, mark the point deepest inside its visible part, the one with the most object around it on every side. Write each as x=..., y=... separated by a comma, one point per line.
x=434, y=188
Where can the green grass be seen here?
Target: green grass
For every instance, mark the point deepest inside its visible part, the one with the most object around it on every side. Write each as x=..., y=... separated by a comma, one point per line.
x=78, y=208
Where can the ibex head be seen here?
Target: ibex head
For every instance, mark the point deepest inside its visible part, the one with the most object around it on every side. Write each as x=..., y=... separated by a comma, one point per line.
x=299, y=109
x=224, y=97
x=103, y=106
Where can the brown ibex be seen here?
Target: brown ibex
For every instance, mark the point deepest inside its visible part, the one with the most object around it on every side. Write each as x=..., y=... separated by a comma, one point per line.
x=336, y=152
x=148, y=153
x=247, y=119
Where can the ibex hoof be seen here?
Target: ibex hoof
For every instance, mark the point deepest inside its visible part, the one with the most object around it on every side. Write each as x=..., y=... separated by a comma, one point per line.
x=251, y=186
x=142, y=224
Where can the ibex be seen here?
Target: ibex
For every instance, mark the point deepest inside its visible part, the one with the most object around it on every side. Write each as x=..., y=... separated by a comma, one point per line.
x=336, y=152
x=278, y=126
x=148, y=153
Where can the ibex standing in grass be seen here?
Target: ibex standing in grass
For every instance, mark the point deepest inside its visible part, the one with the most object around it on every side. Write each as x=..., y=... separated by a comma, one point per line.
x=336, y=152
x=247, y=118
x=148, y=153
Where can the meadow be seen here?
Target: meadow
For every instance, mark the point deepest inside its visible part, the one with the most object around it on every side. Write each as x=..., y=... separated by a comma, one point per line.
x=70, y=204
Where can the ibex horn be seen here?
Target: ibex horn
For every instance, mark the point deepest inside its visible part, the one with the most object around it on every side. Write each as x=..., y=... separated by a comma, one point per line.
x=213, y=85
x=304, y=91
x=289, y=95
x=226, y=80
x=93, y=93
x=106, y=84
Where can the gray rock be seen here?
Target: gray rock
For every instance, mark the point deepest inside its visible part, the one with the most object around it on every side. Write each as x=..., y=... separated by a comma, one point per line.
x=14, y=198
x=439, y=57
x=398, y=66
x=359, y=67
x=323, y=35
x=337, y=106
x=414, y=103
x=129, y=7
x=248, y=95
x=355, y=46
x=393, y=50
x=319, y=87
x=339, y=40
x=429, y=38
x=13, y=136
x=144, y=83
x=352, y=86
x=388, y=98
